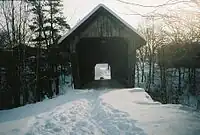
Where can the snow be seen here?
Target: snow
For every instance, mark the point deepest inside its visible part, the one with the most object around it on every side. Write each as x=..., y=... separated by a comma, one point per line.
x=100, y=112
x=65, y=84
x=155, y=118
x=88, y=112
x=172, y=82
x=101, y=70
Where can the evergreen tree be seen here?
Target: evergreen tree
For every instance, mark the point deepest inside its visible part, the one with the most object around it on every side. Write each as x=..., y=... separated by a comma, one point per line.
x=55, y=22
x=39, y=38
x=48, y=24
x=49, y=20
x=37, y=24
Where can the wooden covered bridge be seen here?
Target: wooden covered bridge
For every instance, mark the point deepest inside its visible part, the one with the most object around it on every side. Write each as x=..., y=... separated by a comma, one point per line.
x=102, y=37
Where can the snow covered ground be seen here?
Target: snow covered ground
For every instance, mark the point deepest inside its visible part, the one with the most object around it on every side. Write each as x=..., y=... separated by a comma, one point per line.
x=100, y=112
x=109, y=112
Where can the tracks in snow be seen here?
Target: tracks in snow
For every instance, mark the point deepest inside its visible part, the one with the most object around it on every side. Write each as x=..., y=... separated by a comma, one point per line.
x=84, y=117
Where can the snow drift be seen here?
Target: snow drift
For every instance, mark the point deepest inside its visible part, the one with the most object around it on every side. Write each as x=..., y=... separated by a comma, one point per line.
x=108, y=112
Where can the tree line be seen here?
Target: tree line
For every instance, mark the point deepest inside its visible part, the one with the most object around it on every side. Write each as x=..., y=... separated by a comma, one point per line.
x=167, y=66
x=29, y=33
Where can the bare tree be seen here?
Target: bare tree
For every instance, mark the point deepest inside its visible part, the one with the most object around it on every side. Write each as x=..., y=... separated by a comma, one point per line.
x=14, y=24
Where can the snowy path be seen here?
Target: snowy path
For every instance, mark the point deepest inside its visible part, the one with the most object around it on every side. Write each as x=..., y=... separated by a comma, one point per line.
x=89, y=112
x=84, y=117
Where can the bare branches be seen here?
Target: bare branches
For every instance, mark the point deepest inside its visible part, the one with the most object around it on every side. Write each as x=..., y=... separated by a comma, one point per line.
x=168, y=3
x=14, y=19
x=156, y=8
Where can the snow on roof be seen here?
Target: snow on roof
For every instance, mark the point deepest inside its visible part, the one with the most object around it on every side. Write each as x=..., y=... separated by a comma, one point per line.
x=92, y=12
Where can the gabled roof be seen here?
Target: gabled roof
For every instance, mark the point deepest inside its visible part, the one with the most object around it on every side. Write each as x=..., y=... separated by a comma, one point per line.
x=90, y=14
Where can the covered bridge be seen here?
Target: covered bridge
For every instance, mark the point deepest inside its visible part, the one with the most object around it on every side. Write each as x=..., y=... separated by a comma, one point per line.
x=102, y=37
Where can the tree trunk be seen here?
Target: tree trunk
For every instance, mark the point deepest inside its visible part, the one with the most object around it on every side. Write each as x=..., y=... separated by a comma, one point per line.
x=194, y=81
x=37, y=89
x=138, y=75
x=179, y=86
x=51, y=15
x=13, y=22
x=142, y=71
x=163, y=79
x=163, y=85
x=149, y=75
x=153, y=72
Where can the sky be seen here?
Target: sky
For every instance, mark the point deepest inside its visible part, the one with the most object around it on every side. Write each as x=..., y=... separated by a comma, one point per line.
x=75, y=10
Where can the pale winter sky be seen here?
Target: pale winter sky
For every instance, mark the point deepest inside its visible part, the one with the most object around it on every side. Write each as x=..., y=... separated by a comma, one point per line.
x=75, y=10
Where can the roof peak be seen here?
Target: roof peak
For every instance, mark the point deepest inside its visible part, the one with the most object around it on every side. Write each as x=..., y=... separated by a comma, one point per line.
x=101, y=5
x=92, y=12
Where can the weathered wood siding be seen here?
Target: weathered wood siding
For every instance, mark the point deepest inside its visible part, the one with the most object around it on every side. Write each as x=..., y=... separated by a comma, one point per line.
x=106, y=26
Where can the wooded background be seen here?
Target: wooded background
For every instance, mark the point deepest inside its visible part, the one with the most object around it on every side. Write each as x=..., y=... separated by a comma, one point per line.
x=167, y=66
x=31, y=61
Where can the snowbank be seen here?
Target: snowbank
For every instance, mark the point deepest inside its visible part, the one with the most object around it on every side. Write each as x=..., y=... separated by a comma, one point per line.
x=100, y=112
x=153, y=117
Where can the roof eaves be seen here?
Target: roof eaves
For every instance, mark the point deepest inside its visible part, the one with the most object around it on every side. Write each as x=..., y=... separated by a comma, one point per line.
x=79, y=23
x=92, y=12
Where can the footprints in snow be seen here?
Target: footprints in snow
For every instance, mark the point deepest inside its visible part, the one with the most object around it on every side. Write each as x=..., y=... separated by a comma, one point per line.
x=60, y=120
x=80, y=117
x=116, y=122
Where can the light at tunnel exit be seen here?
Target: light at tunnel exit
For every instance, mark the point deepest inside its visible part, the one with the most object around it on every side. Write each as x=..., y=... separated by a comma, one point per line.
x=102, y=71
